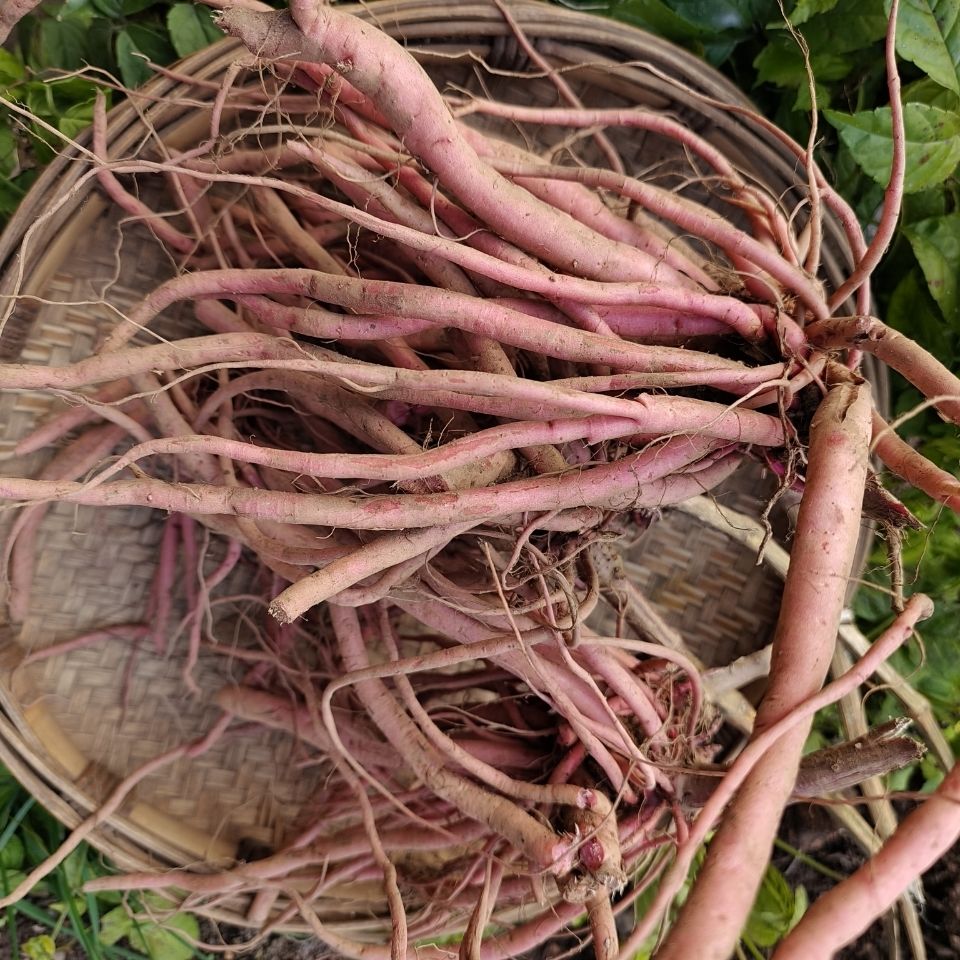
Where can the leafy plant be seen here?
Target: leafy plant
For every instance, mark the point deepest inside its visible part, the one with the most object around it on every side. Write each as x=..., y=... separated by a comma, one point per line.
x=63, y=54
x=104, y=927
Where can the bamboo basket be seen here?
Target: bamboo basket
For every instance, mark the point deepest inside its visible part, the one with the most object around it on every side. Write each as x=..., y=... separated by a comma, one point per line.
x=64, y=729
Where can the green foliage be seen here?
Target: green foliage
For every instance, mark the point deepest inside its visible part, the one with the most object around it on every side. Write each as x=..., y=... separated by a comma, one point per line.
x=43, y=947
x=932, y=135
x=936, y=245
x=713, y=28
x=134, y=930
x=97, y=39
x=928, y=35
x=158, y=938
x=776, y=911
x=806, y=9
x=191, y=28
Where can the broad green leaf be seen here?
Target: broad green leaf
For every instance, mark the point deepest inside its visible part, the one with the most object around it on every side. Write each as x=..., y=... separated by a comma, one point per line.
x=932, y=774
x=62, y=43
x=12, y=879
x=773, y=910
x=13, y=191
x=924, y=205
x=133, y=66
x=713, y=27
x=899, y=780
x=11, y=856
x=158, y=903
x=161, y=942
x=43, y=947
x=115, y=924
x=928, y=34
x=75, y=119
x=75, y=866
x=933, y=142
x=69, y=89
x=74, y=906
x=845, y=26
x=781, y=62
x=931, y=93
x=112, y=9
x=100, y=46
x=805, y=9
x=11, y=69
x=719, y=15
x=912, y=311
x=657, y=17
x=936, y=244
x=191, y=28
x=803, y=102
x=152, y=39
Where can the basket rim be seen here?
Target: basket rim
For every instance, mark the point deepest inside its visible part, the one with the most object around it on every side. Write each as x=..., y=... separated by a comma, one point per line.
x=125, y=839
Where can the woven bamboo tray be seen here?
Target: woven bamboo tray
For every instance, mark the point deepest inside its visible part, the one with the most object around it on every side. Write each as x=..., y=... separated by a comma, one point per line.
x=64, y=729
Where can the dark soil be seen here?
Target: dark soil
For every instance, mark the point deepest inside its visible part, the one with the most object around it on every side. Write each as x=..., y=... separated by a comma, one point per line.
x=810, y=829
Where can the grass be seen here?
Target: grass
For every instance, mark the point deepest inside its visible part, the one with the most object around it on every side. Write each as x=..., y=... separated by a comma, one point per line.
x=101, y=927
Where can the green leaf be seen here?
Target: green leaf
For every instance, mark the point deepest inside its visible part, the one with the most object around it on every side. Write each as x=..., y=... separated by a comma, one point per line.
x=67, y=90
x=111, y=9
x=657, y=17
x=12, y=880
x=844, y=27
x=191, y=28
x=9, y=161
x=62, y=43
x=936, y=244
x=912, y=310
x=152, y=39
x=115, y=924
x=11, y=856
x=75, y=866
x=76, y=119
x=932, y=135
x=804, y=103
x=714, y=16
x=781, y=62
x=928, y=34
x=930, y=92
x=773, y=910
x=805, y=9
x=13, y=191
x=800, y=904
x=100, y=46
x=43, y=947
x=11, y=69
x=133, y=67
x=161, y=942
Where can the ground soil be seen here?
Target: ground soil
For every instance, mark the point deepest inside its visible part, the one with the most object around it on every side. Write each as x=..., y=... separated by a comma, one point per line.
x=810, y=829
